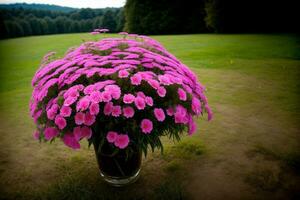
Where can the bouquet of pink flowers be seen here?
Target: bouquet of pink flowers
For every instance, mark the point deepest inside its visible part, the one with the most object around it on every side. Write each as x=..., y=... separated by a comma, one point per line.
x=119, y=91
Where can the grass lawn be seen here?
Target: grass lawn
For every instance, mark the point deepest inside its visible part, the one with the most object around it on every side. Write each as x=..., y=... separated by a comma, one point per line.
x=250, y=150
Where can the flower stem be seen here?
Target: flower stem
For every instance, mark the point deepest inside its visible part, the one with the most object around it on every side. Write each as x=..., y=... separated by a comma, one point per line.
x=119, y=167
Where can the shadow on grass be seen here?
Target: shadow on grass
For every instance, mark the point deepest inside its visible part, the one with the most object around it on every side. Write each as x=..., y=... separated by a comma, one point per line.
x=162, y=177
x=291, y=159
x=264, y=179
x=154, y=183
x=275, y=172
x=83, y=188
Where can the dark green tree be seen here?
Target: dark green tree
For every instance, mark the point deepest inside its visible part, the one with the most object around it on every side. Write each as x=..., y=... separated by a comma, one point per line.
x=109, y=21
x=165, y=16
x=26, y=27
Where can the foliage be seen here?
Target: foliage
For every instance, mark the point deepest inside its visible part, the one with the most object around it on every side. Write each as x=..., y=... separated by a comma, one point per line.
x=18, y=21
x=165, y=17
x=251, y=16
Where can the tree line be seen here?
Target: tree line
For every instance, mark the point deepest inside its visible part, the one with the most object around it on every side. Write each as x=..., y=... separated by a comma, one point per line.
x=158, y=17
x=19, y=22
x=222, y=16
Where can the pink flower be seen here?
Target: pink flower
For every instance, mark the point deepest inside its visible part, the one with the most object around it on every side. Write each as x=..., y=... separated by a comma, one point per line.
x=123, y=73
x=89, y=119
x=94, y=108
x=154, y=84
x=128, y=98
x=111, y=136
x=209, y=112
x=116, y=111
x=181, y=115
x=77, y=133
x=122, y=141
x=89, y=89
x=192, y=126
x=136, y=79
x=36, y=135
x=128, y=112
x=114, y=91
x=146, y=126
x=141, y=94
x=159, y=114
x=161, y=91
x=65, y=111
x=139, y=103
x=164, y=79
x=83, y=104
x=86, y=132
x=69, y=101
x=71, y=141
x=108, y=108
x=50, y=133
x=149, y=101
x=96, y=97
x=60, y=122
x=181, y=94
x=71, y=93
x=196, y=106
x=106, y=96
x=170, y=111
x=51, y=114
x=79, y=118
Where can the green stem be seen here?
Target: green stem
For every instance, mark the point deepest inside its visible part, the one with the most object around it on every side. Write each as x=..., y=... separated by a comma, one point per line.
x=119, y=167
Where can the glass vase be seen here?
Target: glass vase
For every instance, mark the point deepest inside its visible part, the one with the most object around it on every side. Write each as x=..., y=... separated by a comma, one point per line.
x=118, y=168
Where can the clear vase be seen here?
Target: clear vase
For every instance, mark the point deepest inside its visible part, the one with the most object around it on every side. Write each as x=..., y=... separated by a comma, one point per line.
x=116, y=167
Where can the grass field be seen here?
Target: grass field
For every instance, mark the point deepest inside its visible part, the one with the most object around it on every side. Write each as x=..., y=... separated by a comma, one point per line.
x=250, y=150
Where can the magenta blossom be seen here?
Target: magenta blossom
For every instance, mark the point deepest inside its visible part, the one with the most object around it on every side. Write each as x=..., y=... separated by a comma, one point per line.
x=136, y=79
x=71, y=141
x=161, y=91
x=89, y=119
x=139, y=103
x=82, y=132
x=108, y=108
x=146, y=126
x=60, y=122
x=83, y=104
x=149, y=101
x=79, y=118
x=128, y=98
x=111, y=136
x=94, y=109
x=128, y=112
x=159, y=114
x=50, y=133
x=182, y=94
x=65, y=111
x=122, y=141
x=123, y=73
x=116, y=111
x=170, y=111
x=96, y=97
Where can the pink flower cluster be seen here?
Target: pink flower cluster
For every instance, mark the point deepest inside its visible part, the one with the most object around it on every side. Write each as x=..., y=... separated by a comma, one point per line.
x=119, y=140
x=99, y=30
x=111, y=80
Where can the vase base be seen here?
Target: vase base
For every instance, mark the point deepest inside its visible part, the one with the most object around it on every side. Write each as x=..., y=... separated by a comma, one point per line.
x=120, y=182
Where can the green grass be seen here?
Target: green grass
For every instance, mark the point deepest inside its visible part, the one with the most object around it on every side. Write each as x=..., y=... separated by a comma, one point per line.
x=252, y=84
